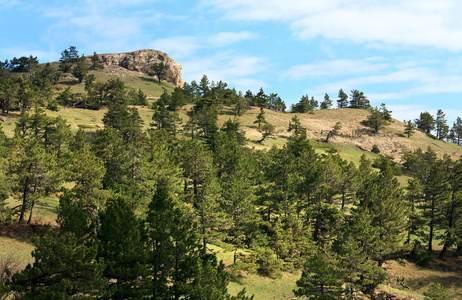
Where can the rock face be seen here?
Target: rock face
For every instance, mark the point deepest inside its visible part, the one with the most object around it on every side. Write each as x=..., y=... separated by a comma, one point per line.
x=142, y=60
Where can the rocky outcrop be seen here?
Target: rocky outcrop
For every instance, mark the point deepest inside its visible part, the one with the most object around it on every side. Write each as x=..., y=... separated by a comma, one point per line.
x=142, y=60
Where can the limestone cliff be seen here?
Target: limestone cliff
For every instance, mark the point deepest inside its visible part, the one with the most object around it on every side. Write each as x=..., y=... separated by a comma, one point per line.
x=142, y=60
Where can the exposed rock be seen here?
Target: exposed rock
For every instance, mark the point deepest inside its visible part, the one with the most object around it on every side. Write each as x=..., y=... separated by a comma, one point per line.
x=142, y=60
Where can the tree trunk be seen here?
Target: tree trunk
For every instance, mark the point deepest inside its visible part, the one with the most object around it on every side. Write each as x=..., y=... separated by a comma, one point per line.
x=432, y=224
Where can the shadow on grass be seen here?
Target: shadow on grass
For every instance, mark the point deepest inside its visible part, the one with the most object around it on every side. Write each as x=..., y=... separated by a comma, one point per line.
x=449, y=282
x=150, y=80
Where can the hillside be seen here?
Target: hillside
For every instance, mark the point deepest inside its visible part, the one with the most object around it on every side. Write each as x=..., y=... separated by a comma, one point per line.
x=261, y=189
x=352, y=141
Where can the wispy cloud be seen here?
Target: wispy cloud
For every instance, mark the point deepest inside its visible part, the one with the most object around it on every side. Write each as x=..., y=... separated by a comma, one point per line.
x=399, y=23
x=185, y=46
x=336, y=67
x=236, y=70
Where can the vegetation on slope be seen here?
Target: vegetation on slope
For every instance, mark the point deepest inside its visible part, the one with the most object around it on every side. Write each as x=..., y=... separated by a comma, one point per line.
x=145, y=191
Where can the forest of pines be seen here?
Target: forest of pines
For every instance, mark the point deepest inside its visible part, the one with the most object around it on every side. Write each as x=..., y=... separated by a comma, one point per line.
x=139, y=208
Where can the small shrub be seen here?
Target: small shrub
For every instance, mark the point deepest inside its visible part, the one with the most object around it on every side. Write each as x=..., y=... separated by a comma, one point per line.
x=241, y=269
x=375, y=149
x=53, y=105
x=85, y=126
x=437, y=292
x=268, y=263
x=420, y=255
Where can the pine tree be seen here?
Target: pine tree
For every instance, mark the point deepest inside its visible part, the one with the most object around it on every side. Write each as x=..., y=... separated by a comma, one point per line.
x=442, y=128
x=425, y=122
x=327, y=103
x=171, y=243
x=382, y=199
x=457, y=131
x=296, y=126
x=160, y=70
x=260, y=118
x=122, y=251
x=376, y=121
x=320, y=278
x=452, y=208
x=342, y=101
x=65, y=264
x=409, y=128
x=80, y=69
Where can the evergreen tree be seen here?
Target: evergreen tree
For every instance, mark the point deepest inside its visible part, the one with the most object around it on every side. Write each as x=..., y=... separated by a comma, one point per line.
x=80, y=69
x=164, y=118
x=409, y=128
x=201, y=186
x=452, y=208
x=436, y=191
x=425, y=122
x=358, y=100
x=260, y=118
x=414, y=198
x=295, y=125
x=65, y=264
x=320, y=278
x=122, y=251
x=160, y=70
x=342, y=101
x=266, y=130
x=386, y=112
x=95, y=64
x=442, y=129
x=327, y=103
x=381, y=198
x=457, y=131
x=304, y=105
x=375, y=120
x=241, y=105
x=68, y=58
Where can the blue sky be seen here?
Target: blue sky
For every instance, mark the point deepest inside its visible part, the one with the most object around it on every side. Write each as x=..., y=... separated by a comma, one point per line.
x=405, y=53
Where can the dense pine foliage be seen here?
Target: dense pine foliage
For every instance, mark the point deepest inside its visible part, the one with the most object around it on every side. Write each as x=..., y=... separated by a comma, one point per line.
x=138, y=208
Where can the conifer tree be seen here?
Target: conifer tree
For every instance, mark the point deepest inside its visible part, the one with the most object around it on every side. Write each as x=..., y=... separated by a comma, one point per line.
x=342, y=101
x=382, y=199
x=320, y=278
x=409, y=128
x=260, y=118
x=122, y=251
x=65, y=264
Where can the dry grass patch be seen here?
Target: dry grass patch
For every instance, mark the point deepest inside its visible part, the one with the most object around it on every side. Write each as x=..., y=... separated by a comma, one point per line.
x=448, y=273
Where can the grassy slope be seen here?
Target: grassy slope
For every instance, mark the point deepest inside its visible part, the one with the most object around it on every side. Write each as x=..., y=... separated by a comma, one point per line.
x=351, y=144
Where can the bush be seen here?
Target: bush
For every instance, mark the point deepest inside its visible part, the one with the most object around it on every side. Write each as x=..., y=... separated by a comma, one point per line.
x=437, y=292
x=53, y=105
x=375, y=149
x=420, y=255
x=268, y=263
x=241, y=268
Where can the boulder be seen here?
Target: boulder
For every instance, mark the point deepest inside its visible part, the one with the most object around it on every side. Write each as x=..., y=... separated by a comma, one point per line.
x=142, y=60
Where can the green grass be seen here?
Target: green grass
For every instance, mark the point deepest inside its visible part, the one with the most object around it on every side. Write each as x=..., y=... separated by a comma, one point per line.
x=133, y=81
x=265, y=288
x=20, y=248
x=262, y=287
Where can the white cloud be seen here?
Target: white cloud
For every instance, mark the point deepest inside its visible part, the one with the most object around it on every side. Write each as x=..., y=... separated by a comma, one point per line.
x=177, y=47
x=185, y=46
x=404, y=23
x=7, y=4
x=223, y=39
x=42, y=56
x=336, y=68
x=236, y=70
